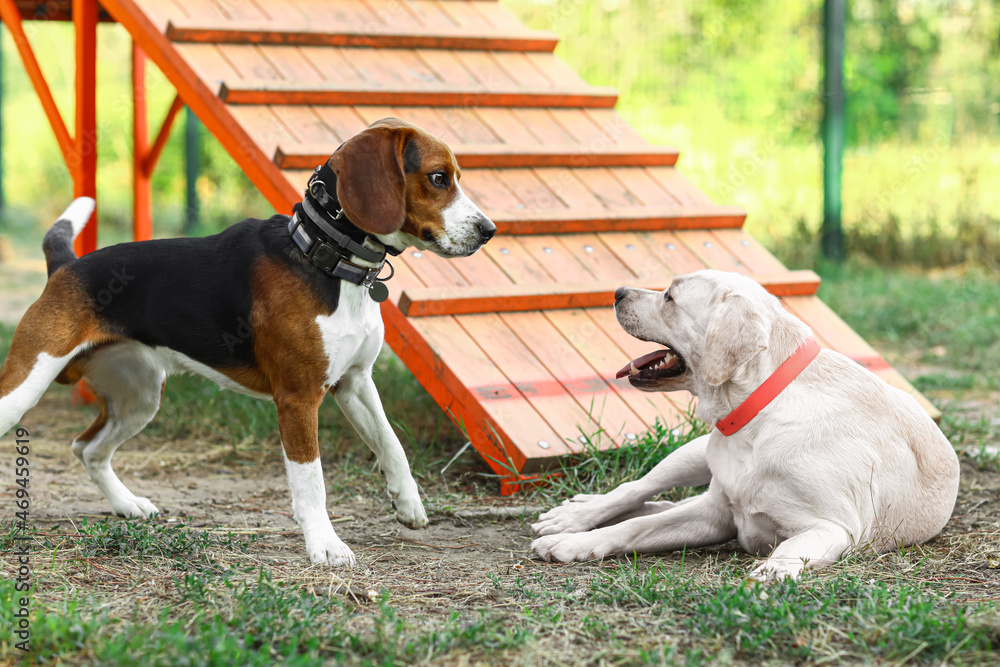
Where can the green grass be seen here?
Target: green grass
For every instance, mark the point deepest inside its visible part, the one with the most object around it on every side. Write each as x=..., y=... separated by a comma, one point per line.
x=639, y=611
x=950, y=321
x=142, y=538
x=596, y=470
x=250, y=620
x=842, y=617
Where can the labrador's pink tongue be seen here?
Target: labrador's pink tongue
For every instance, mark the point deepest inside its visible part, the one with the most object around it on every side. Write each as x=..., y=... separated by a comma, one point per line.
x=640, y=362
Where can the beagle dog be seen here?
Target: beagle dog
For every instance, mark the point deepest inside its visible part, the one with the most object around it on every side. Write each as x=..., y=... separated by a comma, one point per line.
x=812, y=456
x=285, y=309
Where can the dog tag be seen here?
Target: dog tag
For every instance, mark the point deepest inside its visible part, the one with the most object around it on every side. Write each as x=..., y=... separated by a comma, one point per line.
x=378, y=291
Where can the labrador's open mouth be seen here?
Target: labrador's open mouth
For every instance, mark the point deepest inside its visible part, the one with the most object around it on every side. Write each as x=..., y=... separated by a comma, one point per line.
x=659, y=364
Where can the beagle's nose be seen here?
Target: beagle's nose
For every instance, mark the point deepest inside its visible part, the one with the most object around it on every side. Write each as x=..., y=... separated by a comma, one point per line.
x=620, y=293
x=486, y=228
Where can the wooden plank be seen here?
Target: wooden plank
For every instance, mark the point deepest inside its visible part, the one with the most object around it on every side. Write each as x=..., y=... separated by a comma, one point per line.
x=343, y=121
x=306, y=125
x=483, y=186
x=543, y=125
x=426, y=302
x=609, y=190
x=433, y=271
x=432, y=120
x=605, y=357
x=530, y=190
x=480, y=269
x=638, y=256
x=587, y=387
x=251, y=63
x=468, y=372
x=494, y=156
x=614, y=126
x=517, y=263
x=597, y=257
x=539, y=387
x=675, y=255
x=679, y=401
x=372, y=36
x=550, y=221
x=555, y=258
x=506, y=125
x=707, y=248
x=447, y=67
x=748, y=250
x=469, y=127
x=264, y=91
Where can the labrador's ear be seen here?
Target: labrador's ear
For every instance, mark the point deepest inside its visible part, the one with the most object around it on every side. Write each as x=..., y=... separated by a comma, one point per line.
x=736, y=334
x=370, y=179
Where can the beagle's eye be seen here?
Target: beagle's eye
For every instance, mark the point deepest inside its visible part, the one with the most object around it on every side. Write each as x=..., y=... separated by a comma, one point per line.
x=667, y=298
x=438, y=179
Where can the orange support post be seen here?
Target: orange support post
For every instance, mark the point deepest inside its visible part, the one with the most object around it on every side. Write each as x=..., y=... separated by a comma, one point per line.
x=142, y=222
x=83, y=162
x=83, y=166
x=12, y=17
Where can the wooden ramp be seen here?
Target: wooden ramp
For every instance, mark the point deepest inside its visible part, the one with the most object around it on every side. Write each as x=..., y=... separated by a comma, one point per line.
x=518, y=343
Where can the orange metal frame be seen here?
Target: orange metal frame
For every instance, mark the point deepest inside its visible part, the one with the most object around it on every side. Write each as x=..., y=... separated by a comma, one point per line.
x=79, y=150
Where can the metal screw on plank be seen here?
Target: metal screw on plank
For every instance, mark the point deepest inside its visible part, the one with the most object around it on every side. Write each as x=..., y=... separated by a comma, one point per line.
x=708, y=244
x=671, y=246
x=417, y=254
x=547, y=250
x=629, y=246
x=504, y=251
x=543, y=444
x=582, y=439
x=630, y=436
x=745, y=243
x=588, y=248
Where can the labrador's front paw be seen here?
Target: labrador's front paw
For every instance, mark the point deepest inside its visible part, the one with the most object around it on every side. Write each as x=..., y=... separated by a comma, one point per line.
x=569, y=547
x=775, y=569
x=575, y=515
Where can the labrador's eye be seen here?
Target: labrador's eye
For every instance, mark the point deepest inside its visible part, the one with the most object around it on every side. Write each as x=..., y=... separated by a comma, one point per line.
x=438, y=179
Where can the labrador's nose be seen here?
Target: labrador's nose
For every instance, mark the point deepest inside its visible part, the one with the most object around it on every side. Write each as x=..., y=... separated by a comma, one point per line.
x=620, y=293
x=486, y=228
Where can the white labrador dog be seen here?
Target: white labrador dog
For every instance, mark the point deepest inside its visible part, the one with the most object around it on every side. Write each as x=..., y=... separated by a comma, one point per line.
x=837, y=461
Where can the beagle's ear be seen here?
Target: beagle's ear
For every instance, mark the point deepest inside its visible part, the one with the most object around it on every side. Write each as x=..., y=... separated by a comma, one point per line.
x=370, y=178
x=736, y=334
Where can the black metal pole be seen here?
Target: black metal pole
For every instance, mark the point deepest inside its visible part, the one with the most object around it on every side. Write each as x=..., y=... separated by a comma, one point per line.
x=192, y=149
x=832, y=232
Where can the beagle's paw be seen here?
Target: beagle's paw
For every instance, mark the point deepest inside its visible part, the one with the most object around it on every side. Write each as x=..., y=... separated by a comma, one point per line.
x=575, y=515
x=332, y=552
x=133, y=507
x=409, y=509
x=325, y=548
x=569, y=547
x=411, y=513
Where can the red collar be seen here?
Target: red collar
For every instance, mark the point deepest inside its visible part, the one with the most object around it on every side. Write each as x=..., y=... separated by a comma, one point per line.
x=768, y=391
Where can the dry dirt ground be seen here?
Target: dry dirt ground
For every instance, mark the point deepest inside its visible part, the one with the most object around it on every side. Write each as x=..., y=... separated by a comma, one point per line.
x=453, y=559
x=213, y=487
